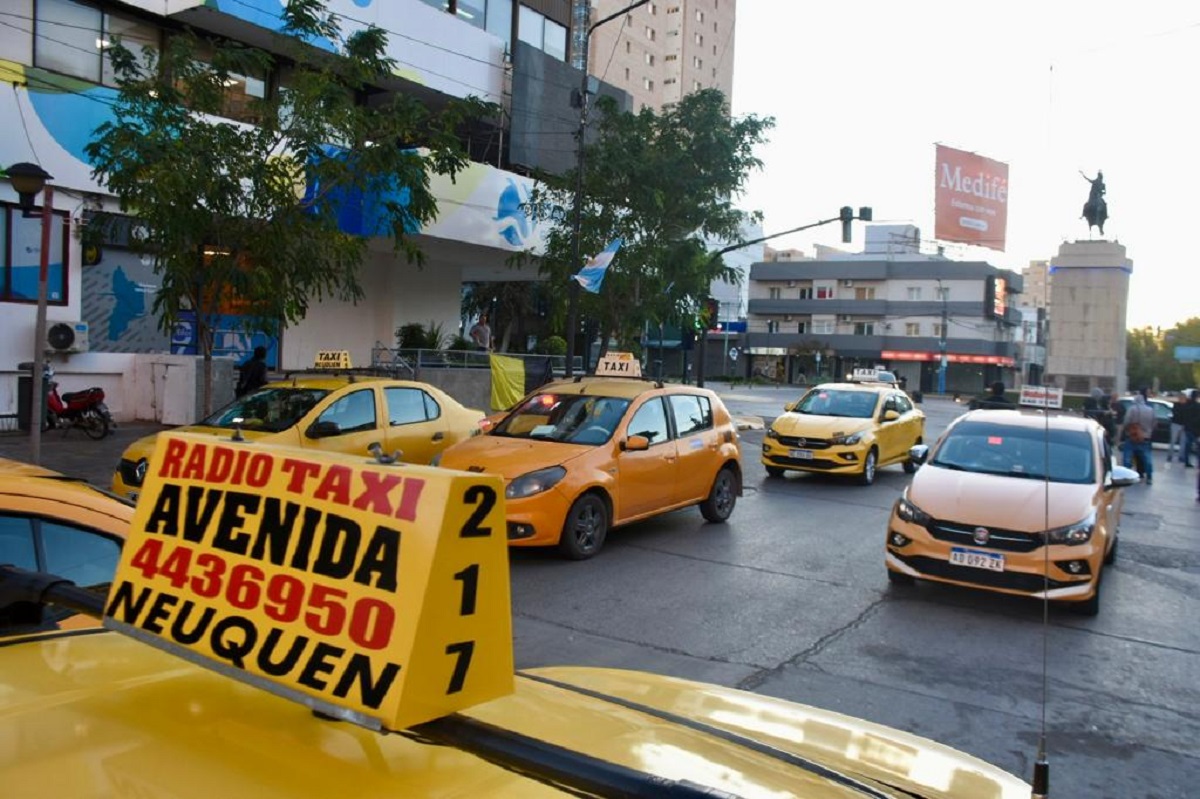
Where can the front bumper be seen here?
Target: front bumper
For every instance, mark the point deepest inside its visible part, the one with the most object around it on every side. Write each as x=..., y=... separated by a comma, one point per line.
x=832, y=459
x=536, y=521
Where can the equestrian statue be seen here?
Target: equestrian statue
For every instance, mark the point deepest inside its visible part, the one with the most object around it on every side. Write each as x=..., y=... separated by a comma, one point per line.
x=1095, y=210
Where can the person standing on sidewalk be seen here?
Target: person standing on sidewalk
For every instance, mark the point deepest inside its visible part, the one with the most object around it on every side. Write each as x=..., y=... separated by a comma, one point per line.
x=1136, y=433
x=1191, y=428
x=1175, y=440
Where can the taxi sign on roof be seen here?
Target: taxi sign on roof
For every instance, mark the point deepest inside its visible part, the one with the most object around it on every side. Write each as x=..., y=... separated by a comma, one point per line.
x=374, y=593
x=619, y=364
x=332, y=359
x=1041, y=397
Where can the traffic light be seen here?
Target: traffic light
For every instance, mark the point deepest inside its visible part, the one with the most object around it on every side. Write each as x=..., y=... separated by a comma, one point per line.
x=712, y=312
x=847, y=216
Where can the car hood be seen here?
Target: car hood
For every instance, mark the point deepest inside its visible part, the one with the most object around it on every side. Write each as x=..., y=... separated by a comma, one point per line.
x=144, y=446
x=101, y=714
x=1014, y=503
x=806, y=425
x=509, y=457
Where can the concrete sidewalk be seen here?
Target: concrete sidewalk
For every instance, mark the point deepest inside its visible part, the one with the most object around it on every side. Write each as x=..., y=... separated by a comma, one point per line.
x=77, y=455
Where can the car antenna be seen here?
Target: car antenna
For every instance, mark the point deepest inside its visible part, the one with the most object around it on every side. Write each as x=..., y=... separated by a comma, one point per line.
x=1041, y=764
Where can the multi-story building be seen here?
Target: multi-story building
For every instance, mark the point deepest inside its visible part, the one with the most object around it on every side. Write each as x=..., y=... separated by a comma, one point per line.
x=889, y=306
x=60, y=89
x=664, y=49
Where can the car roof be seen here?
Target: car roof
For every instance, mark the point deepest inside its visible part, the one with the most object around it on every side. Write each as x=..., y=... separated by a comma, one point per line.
x=628, y=388
x=1031, y=418
x=866, y=386
x=41, y=491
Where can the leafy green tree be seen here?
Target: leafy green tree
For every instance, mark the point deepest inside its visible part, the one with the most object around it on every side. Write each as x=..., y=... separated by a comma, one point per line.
x=664, y=183
x=1150, y=357
x=245, y=216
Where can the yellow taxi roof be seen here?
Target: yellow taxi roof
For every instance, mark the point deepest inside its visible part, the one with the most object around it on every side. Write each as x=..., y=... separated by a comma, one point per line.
x=1031, y=418
x=627, y=388
x=36, y=489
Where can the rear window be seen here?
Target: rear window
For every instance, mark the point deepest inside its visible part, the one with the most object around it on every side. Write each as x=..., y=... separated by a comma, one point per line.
x=1062, y=456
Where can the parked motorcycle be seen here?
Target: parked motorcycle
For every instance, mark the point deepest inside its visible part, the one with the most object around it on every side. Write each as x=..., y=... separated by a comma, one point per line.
x=83, y=409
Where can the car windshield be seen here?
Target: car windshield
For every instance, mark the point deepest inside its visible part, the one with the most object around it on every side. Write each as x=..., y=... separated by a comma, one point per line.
x=272, y=408
x=1062, y=456
x=832, y=402
x=569, y=418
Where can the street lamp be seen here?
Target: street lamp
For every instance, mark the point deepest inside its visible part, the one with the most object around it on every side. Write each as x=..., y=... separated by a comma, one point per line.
x=27, y=180
x=574, y=288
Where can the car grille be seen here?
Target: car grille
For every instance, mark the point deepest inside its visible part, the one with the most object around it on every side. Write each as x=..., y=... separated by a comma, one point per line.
x=1013, y=581
x=803, y=443
x=1006, y=540
x=816, y=464
x=128, y=471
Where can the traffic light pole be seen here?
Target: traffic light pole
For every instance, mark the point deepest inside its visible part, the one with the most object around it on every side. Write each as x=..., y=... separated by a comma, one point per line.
x=845, y=216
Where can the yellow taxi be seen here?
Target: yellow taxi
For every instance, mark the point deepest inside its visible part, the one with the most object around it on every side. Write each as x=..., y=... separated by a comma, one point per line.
x=50, y=522
x=851, y=428
x=331, y=413
x=582, y=456
x=1015, y=501
x=276, y=644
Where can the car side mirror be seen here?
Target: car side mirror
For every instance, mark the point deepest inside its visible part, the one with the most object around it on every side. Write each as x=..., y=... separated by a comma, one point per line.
x=635, y=444
x=791, y=406
x=1123, y=477
x=323, y=430
x=918, y=453
x=891, y=416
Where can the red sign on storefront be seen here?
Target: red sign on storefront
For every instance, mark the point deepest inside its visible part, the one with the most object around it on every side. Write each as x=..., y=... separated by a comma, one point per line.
x=910, y=355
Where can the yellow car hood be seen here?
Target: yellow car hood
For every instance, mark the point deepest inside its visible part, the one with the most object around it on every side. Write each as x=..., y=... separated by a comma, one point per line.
x=1012, y=503
x=103, y=715
x=807, y=425
x=144, y=446
x=509, y=457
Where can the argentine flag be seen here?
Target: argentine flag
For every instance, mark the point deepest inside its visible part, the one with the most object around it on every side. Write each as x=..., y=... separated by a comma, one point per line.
x=592, y=274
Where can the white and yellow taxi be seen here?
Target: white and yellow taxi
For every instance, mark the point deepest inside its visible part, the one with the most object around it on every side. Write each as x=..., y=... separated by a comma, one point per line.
x=290, y=622
x=1016, y=501
x=851, y=428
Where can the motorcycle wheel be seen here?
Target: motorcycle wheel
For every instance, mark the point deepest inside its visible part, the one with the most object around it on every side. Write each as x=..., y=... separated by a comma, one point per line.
x=95, y=425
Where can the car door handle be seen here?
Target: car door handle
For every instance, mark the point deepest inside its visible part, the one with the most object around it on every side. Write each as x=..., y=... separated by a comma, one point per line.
x=438, y=436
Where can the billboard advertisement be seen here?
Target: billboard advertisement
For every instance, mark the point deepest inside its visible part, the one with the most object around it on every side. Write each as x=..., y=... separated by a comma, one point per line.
x=970, y=199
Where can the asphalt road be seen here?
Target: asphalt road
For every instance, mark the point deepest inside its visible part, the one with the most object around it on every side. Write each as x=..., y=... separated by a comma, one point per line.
x=790, y=599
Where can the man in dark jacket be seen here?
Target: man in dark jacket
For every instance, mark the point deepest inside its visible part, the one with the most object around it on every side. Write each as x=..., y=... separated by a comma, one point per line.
x=253, y=372
x=1189, y=416
x=993, y=399
x=1099, y=407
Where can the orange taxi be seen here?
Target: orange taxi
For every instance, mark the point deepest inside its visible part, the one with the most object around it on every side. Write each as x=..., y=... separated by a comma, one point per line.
x=1018, y=502
x=581, y=457
x=333, y=413
x=50, y=522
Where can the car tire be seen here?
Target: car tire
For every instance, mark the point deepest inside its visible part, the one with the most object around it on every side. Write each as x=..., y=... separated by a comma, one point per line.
x=869, y=465
x=1088, y=607
x=585, y=528
x=900, y=578
x=775, y=471
x=721, y=497
x=1110, y=557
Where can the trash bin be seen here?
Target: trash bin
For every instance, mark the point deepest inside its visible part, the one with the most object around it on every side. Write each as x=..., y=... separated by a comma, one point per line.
x=25, y=395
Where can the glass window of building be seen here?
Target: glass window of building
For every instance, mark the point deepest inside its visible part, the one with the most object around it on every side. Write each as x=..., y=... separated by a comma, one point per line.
x=555, y=40
x=68, y=38
x=864, y=328
x=912, y=328
x=530, y=27
x=136, y=36
x=914, y=292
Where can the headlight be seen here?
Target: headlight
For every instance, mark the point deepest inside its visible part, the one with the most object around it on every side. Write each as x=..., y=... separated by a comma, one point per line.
x=771, y=433
x=1073, y=534
x=853, y=438
x=534, y=482
x=911, y=513
x=139, y=471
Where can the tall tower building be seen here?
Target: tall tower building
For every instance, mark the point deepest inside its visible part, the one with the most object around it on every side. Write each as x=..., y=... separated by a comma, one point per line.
x=664, y=49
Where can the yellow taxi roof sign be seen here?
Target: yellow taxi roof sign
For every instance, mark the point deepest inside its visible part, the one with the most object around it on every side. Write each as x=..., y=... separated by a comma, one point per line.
x=619, y=364
x=332, y=359
x=376, y=593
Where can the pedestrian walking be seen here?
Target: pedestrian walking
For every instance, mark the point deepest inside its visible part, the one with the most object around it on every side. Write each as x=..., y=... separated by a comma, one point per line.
x=1175, y=440
x=252, y=373
x=1099, y=407
x=1135, y=433
x=1191, y=428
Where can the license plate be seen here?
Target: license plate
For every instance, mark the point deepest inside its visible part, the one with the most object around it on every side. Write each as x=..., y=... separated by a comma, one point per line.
x=801, y=454
x=992, y=561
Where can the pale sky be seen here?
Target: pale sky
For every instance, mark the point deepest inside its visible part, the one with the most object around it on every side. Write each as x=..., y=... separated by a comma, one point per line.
x=861, y=92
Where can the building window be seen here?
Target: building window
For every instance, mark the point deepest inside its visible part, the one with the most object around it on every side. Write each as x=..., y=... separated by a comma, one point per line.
x=864, y=328
x=668, y=81
x=653, y=9
x=700, y=39
x=912, y=328
x=943, y=293
x=670, y=57
x=696, y=86
x=774, y=293
x=71, y=39
x=939, y=330
x=699, y=15
x=697, y=62
x=555, y=42
x=673, y=10
x=914, y=292
x=628, y=47
x=864, y=293
x=647, y=84
x=650, y=59
x=544, y=34
x=824, y=292
x=802, y=328
x=650, y=33
x=21, y=256
x=806, y=294
x=626, y=74
x=823, y=327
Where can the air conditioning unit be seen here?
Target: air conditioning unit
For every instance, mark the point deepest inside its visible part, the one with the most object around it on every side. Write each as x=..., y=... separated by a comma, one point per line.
x=848, y=283
x=67, y=337
x=846, y=318
x=791, y=284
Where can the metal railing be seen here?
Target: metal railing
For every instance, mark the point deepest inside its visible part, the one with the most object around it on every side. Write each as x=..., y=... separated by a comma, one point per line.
x=408, y=363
